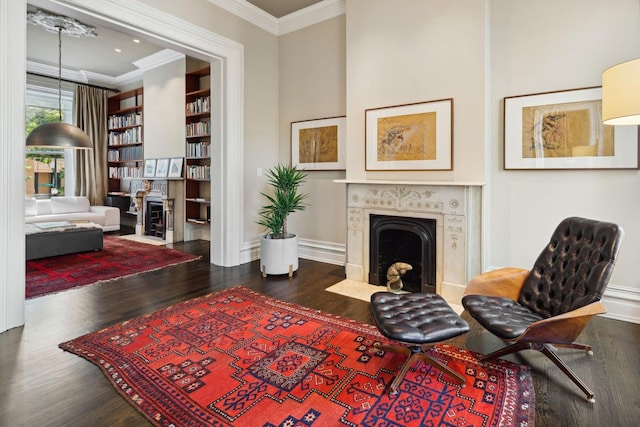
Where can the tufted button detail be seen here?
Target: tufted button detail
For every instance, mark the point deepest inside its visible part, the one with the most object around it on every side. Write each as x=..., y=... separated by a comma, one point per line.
x=573, y=268
x=416, y=318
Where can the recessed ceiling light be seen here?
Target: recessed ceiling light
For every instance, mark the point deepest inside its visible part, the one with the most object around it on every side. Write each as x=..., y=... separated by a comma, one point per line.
x=136, y=41
x=118, y=50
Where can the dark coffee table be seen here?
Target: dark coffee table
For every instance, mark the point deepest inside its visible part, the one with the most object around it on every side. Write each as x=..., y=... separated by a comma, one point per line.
x=42, y=241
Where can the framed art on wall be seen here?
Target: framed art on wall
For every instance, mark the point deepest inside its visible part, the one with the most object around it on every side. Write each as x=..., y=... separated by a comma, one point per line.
x=319, y=144
x=564, y=130
x=410, y=137
x=149, y=168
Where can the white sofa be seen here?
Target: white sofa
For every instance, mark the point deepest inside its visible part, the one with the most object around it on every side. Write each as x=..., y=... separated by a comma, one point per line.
x=71, y=208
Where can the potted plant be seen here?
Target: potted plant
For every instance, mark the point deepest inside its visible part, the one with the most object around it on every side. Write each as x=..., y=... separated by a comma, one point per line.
x=278, y=247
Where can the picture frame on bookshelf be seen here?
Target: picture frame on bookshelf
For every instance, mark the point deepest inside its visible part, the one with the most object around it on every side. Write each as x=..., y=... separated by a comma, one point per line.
x=319, y=144
x=162, y=168
x=175, y=167
x=149, y=168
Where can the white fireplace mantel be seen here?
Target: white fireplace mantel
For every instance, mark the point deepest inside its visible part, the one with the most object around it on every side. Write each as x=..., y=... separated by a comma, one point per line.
x=456, y=207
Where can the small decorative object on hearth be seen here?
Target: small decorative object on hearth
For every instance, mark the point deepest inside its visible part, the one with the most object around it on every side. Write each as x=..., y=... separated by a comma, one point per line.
x=394, y=274
x=278, y=247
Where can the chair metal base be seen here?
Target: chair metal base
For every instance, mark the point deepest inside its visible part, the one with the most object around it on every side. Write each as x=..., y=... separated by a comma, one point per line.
x=549, y=351
x=414, y=354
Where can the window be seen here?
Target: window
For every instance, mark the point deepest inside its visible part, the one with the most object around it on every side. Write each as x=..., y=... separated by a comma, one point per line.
x=45, y=168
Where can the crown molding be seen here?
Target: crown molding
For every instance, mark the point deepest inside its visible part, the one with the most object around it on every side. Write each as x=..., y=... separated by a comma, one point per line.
x=311, y=15
x=82, y=76
x=52, y=71
x=247, y=11
x=158, y=59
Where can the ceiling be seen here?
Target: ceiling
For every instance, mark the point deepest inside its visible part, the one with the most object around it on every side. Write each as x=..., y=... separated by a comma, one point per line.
x=280, y=8
x=95, y=59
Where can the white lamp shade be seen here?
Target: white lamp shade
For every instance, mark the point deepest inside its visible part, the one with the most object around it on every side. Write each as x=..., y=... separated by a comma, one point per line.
x=621, y=94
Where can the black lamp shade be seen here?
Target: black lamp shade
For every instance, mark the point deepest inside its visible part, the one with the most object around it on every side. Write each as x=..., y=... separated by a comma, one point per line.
x=58, y=135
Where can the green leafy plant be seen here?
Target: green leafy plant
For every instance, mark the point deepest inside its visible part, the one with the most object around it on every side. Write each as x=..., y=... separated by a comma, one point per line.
x=286, y=199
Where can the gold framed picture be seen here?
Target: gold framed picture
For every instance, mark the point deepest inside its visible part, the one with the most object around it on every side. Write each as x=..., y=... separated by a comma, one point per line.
x=410, y=137
x=564, y=130
x=319, y=144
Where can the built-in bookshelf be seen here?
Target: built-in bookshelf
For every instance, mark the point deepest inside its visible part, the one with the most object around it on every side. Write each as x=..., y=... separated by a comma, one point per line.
x=198, y=147
x=125, y=137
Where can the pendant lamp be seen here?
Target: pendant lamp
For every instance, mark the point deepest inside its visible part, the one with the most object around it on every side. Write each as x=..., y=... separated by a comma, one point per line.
x=59, y=135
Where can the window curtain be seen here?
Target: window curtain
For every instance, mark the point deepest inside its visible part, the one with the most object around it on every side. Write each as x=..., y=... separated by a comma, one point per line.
x=90, y=114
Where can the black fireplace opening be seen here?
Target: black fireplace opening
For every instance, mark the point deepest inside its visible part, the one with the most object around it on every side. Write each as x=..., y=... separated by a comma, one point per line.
x=154, y=223
x=403, y=239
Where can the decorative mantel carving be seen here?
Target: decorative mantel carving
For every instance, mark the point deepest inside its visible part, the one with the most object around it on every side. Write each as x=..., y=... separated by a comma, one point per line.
x=152, y=188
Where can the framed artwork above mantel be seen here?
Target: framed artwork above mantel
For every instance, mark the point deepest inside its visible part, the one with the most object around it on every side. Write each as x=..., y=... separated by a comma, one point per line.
x=416, y=136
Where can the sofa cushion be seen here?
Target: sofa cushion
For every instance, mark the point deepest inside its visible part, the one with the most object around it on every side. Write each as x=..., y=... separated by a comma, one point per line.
x=30, y=208
x=69, y=204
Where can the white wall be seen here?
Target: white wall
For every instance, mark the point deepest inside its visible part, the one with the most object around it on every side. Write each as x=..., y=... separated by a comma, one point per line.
x=164, y=129
x=409, y=51
x=550, y=45
x=312, y=86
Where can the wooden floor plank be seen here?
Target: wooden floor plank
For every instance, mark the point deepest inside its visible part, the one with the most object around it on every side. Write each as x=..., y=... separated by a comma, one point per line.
x=40, y=385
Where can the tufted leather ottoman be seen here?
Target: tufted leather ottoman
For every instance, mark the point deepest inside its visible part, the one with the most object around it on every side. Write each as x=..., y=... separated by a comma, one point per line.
x=420, y=319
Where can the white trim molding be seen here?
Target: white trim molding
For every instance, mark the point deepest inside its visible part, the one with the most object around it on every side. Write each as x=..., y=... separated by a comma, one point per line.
x=12, y=150
x=328, y=252
x=315, y=250
x=311, y=15
x=622, y=302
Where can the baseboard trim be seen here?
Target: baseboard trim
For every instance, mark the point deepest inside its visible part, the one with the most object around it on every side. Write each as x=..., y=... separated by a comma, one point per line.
x=623, y=303
x=315, y=250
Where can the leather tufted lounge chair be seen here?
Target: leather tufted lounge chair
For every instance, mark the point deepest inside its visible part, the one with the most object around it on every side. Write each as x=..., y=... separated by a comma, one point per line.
x=550, y=305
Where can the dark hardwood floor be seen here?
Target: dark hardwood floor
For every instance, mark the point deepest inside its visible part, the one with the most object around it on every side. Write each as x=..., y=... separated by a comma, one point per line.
x=40, y=385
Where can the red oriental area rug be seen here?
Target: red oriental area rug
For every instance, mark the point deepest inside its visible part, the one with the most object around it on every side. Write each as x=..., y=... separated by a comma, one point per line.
x=237, y=357
x=118, y=258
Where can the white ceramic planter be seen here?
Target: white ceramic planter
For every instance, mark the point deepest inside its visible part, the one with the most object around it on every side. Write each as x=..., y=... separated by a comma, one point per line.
x=278, y=256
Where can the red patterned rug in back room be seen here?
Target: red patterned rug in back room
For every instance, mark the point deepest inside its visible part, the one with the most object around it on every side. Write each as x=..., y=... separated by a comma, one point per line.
x=118, y=258
x=237, y=357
